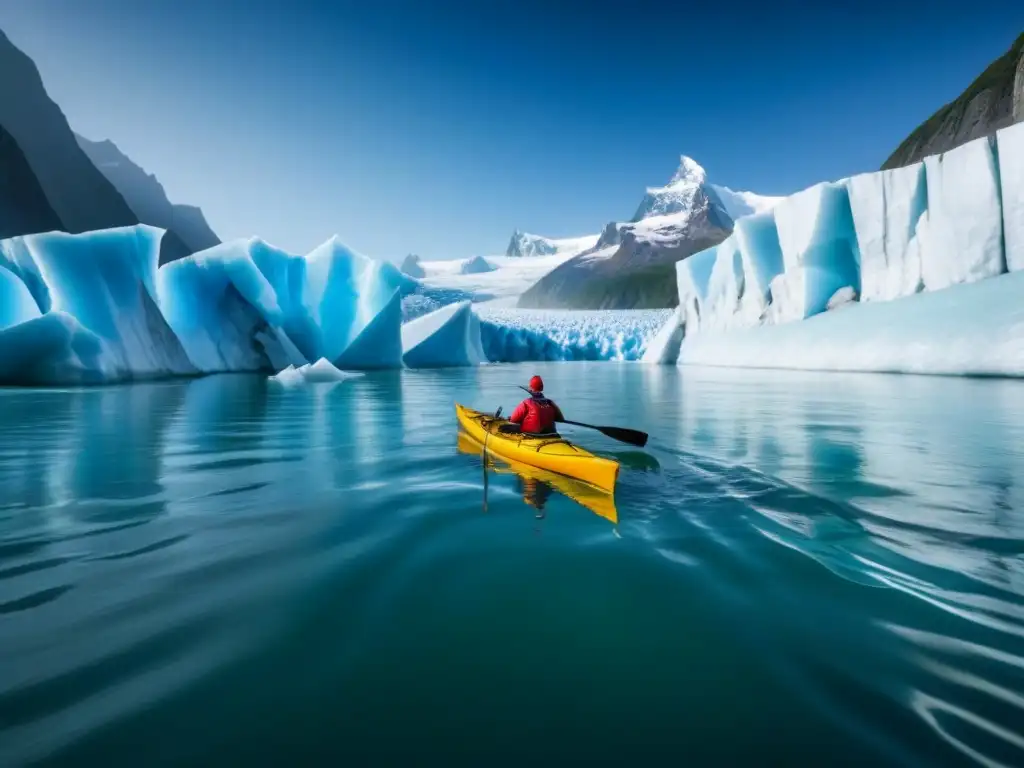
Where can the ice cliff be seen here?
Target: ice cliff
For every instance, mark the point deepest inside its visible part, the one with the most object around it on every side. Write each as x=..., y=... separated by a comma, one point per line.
x=946, y=225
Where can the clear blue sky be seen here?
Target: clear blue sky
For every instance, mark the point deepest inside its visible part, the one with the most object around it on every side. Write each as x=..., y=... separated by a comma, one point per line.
x=438, y=127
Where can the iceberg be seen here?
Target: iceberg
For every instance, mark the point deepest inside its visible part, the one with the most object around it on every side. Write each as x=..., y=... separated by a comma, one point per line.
x=887, y=207
x=969, y=329
x=247, y=306
x=519, y=335
x=320, y=372
x=448, y=337
x=104, y=282
x=819, y=251
x=962, y=237
x=94, y=307
x=1010, y=143
x=224, y=309
x=379, y=343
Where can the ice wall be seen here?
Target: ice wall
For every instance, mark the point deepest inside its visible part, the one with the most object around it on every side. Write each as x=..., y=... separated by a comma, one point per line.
x=955, y=218
x=887, y=208
x=967, y=329
x=1010, y=146
x=962, y=237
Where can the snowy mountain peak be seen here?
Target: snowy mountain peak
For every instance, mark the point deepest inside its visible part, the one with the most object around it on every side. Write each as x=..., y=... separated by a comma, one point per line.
x=524, y=244
x=689, y=172
x=689, y=193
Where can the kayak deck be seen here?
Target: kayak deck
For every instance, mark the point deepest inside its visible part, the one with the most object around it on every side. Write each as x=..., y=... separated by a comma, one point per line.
x=550, y=452
x=587, y=496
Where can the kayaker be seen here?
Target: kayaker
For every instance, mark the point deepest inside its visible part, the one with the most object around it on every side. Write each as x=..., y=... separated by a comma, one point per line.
x=536, y=415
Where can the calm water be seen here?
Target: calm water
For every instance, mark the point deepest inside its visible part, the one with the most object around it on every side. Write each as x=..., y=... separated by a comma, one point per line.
x=812, y=569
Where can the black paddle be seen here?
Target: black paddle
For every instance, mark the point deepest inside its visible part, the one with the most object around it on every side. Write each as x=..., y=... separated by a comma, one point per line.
x=623, y=435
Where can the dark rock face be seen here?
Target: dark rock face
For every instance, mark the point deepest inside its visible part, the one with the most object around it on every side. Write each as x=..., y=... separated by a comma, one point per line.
x=187, y=230
x=475, y=266
x=78, y=193
x=24, y=209
x=640, y=273
x=524, y=245
x=994, y=100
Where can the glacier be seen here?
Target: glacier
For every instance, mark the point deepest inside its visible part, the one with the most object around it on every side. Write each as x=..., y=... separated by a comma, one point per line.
x=519, y=335
x=880, y=253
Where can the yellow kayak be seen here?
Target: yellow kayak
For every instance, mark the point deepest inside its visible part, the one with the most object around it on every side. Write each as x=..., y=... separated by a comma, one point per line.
x=597, y=501
x=555, y=454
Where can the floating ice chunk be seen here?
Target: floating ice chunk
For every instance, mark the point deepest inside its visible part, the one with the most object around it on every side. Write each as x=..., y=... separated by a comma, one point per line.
x=819, y=250
x=975, y=329
x=379, y=344
x=693, y=276
x=663, y=349
x=320, y=372
x=887, y=207
x=1010, y=144
x=448, y=337
x=16, y=303
x=961, y=235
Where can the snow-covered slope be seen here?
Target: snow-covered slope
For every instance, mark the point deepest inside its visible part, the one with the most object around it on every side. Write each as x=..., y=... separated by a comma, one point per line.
x=526, y=245
x=510, y=276
x=740, y=204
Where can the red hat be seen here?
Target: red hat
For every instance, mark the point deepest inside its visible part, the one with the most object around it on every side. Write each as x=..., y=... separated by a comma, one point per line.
x=536, y=384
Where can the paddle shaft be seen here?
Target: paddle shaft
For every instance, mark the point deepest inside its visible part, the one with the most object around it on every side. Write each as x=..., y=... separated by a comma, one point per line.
x=622, y=434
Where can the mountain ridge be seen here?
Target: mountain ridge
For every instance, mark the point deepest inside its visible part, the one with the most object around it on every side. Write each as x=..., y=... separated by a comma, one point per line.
x=993, y=100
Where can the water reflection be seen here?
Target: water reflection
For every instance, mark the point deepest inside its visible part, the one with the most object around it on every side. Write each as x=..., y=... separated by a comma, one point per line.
x=536, y=485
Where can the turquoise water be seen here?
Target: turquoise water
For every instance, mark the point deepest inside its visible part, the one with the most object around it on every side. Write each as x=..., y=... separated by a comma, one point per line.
x=806, y=569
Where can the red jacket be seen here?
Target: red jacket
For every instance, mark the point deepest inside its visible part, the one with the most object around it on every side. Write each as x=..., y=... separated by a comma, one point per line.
x=536, y=415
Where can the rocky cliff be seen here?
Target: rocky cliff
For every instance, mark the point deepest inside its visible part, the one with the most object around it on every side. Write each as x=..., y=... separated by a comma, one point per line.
x=994, y=100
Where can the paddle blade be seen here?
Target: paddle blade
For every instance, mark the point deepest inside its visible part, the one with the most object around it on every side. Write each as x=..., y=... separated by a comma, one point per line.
x=623, y=435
